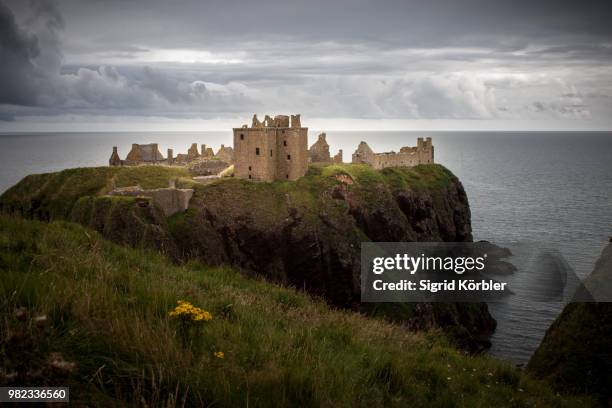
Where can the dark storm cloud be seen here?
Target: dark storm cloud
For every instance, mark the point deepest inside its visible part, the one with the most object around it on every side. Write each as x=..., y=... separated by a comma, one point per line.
x=32, y=80
x=352, y=58
x=507, y=25
x=17, y=50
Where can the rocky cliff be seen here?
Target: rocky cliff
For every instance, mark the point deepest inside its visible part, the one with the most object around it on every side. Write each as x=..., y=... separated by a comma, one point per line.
x=576, y=352
x=305, y=233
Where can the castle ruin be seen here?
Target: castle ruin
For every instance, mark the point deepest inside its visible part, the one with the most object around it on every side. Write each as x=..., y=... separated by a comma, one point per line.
x=319, y=152
x=150, y=154
x=140, y=154
x=422, y=153
x=272, y=149
x=225, y=154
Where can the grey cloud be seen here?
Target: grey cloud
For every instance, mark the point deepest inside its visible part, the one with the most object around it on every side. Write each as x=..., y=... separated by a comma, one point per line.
x=503, y=26
x=392, y=59
x=565, y=110
x=149, y=92
x=32, y=80
x=17, y=50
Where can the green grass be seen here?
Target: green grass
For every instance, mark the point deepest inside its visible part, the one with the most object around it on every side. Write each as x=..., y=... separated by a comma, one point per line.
x=310, y=194
x=426, y=176
x=53, y=195
x=108, y=306
x=148, y=176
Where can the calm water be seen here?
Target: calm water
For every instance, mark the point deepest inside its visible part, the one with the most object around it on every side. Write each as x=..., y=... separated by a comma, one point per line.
x=552, y=188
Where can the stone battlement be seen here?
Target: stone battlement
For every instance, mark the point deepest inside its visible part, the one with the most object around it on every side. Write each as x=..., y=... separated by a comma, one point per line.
x=279, y=121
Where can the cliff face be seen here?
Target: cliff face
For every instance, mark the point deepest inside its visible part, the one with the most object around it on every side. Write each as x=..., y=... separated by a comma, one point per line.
x=305, y=233
x=576, y=352
x=308, y=233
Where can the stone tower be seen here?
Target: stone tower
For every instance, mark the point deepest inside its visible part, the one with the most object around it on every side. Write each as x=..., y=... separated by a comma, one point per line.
x=275, y=149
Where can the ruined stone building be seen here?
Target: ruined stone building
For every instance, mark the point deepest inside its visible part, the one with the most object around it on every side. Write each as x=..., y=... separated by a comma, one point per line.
x=225, y=154
x=115, y=160
x=319, y=152
x=275, y=149
x=140, y=154
x=338, y=157
x=184, y=158
x=422, y=153
x=207, y=152
x=150, y=154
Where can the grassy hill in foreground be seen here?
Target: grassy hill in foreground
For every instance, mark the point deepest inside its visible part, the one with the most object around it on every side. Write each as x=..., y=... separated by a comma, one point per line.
x=106, y=310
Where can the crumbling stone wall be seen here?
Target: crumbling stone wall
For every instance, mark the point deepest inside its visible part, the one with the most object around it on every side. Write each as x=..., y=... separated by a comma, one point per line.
x=338, y=157
x=319, y=151
x=225, y=154
x=363, y=154
x=149, y=154
x=422, y=153
x=206, y=167
x=192, y=152
x=170, y=200
x=115, y=160
x=144, y=154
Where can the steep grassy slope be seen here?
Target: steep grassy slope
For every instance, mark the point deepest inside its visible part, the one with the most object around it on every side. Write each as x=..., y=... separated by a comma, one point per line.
x=305, y=233
x=106, y=310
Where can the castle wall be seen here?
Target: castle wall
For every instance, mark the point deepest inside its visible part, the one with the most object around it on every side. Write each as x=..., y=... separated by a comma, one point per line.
x=170, y=200
x=133, y=157
x=422, y=153
x=114, y=159
x=141, y=154
x=338, y=157
x=225, y=154
x=292, y=162
x=319, y=151
x=363, y=154
x=252, y=154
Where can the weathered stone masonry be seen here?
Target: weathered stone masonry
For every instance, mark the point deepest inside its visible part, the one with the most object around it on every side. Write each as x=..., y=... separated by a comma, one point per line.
x=319, y=152
x=422, y=153
x=150, y=154
x=275, y=149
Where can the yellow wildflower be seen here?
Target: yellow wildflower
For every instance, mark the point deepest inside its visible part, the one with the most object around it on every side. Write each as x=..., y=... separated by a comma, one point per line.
x=187, y=311
x=219, y=354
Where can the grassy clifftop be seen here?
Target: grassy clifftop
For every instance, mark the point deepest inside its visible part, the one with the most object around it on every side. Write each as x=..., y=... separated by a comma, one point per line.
x=303, y=233
x=106, y=310
x=53, y=195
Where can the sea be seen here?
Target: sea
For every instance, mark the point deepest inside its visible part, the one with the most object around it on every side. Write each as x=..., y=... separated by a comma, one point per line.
x=551, y=189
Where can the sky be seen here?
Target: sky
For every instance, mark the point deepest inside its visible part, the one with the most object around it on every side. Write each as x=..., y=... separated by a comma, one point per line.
x=354, y=65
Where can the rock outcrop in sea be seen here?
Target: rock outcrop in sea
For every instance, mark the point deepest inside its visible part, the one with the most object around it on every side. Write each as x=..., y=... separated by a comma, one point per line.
x=576, y=352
